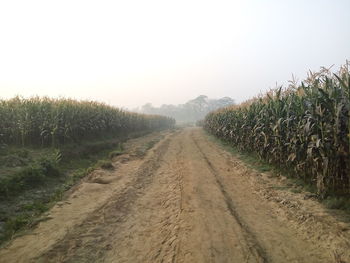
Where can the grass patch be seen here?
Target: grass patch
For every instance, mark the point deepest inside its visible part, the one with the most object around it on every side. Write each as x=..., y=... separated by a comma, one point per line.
x=151, y=144
x=13, y=225
x=105, y=164
x=296, y=190
x=117, y=152
x=333, y=202
x=30, y=176
x=36, y=206
x=31, y=186
x=28, y=216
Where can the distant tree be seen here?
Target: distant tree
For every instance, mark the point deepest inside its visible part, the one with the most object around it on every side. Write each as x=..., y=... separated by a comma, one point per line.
x=147, y=108
x=191, y=111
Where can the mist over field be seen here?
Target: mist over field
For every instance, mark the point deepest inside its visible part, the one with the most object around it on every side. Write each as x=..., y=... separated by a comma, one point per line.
x=190, y=112
x=129, y=53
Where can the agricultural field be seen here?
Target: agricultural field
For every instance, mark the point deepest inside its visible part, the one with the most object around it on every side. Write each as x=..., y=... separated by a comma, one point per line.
x=47, y=145
x=167, y=131
x=53, y=122
x=303, y=130
x=115, y=186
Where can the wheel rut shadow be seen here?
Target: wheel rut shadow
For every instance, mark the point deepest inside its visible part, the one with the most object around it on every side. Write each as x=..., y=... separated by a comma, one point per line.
x=255, y=248
x=90, y=240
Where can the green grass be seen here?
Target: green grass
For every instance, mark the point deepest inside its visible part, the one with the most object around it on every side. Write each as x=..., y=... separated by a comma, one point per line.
x=334, y=202
x=105, y=164
x=30, y=176
x=296, y=190
x=45, y=175
x=151, y=144
x=117, y=152
x=32, y=186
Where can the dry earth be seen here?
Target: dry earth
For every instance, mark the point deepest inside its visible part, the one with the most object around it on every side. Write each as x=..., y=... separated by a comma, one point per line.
x=186, y=200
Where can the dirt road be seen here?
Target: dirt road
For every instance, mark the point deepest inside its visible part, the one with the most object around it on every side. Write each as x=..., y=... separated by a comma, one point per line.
x=186, y=200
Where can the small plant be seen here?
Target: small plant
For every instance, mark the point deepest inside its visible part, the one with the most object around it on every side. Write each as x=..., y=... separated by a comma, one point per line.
x=295, y=190
x=333, y=202
x=50, y=163
x=14, y=224
x=151, y=144
x=37, y=207
x=31, y=175
x=23, y=153
x=117, y=152
x=104, y=164
x=2, y=141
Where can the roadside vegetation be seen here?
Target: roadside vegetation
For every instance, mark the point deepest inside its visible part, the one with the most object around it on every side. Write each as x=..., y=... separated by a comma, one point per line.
x=303, y=130
x=292, y=183
x=33, y=179
x=47, y=145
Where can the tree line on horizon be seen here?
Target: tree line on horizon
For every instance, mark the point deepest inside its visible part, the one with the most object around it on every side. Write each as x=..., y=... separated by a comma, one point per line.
x=189, y=112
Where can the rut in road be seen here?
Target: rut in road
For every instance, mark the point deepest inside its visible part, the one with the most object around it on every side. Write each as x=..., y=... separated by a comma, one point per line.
x=90, y=241
x=185, y=201
x=254, y=247
x=223, y=220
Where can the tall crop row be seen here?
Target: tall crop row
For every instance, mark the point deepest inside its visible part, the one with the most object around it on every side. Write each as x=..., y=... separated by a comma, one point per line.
x=304, y=129
x=45, y=121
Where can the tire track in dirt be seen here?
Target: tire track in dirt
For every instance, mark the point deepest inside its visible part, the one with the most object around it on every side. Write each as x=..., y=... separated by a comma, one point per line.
x=186, y=201
x=276, y=235
x=179, y=172
x=150, y=232
x=253, y=245
x=207, y=231
x=89, y=241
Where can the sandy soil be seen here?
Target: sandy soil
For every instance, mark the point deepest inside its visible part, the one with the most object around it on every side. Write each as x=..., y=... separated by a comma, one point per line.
x=186, y=200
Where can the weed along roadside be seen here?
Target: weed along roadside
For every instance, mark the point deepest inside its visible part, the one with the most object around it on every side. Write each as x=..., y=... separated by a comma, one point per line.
x=34, y=189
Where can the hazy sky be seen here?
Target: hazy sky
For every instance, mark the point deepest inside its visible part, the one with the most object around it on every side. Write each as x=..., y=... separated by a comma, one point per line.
x=129, y=52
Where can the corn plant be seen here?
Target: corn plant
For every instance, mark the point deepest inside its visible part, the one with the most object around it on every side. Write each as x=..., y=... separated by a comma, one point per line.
x=305, y=129
x=46, y=121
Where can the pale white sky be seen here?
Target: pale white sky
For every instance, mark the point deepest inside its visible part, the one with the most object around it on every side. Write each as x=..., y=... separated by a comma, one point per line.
x=129, y=52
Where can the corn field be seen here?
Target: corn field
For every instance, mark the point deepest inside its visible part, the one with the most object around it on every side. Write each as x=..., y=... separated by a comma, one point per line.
x=46, y=121
x=304, y=129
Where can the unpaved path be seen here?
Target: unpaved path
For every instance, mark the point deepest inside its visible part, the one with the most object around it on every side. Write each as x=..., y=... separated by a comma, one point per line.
x=187, y=200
